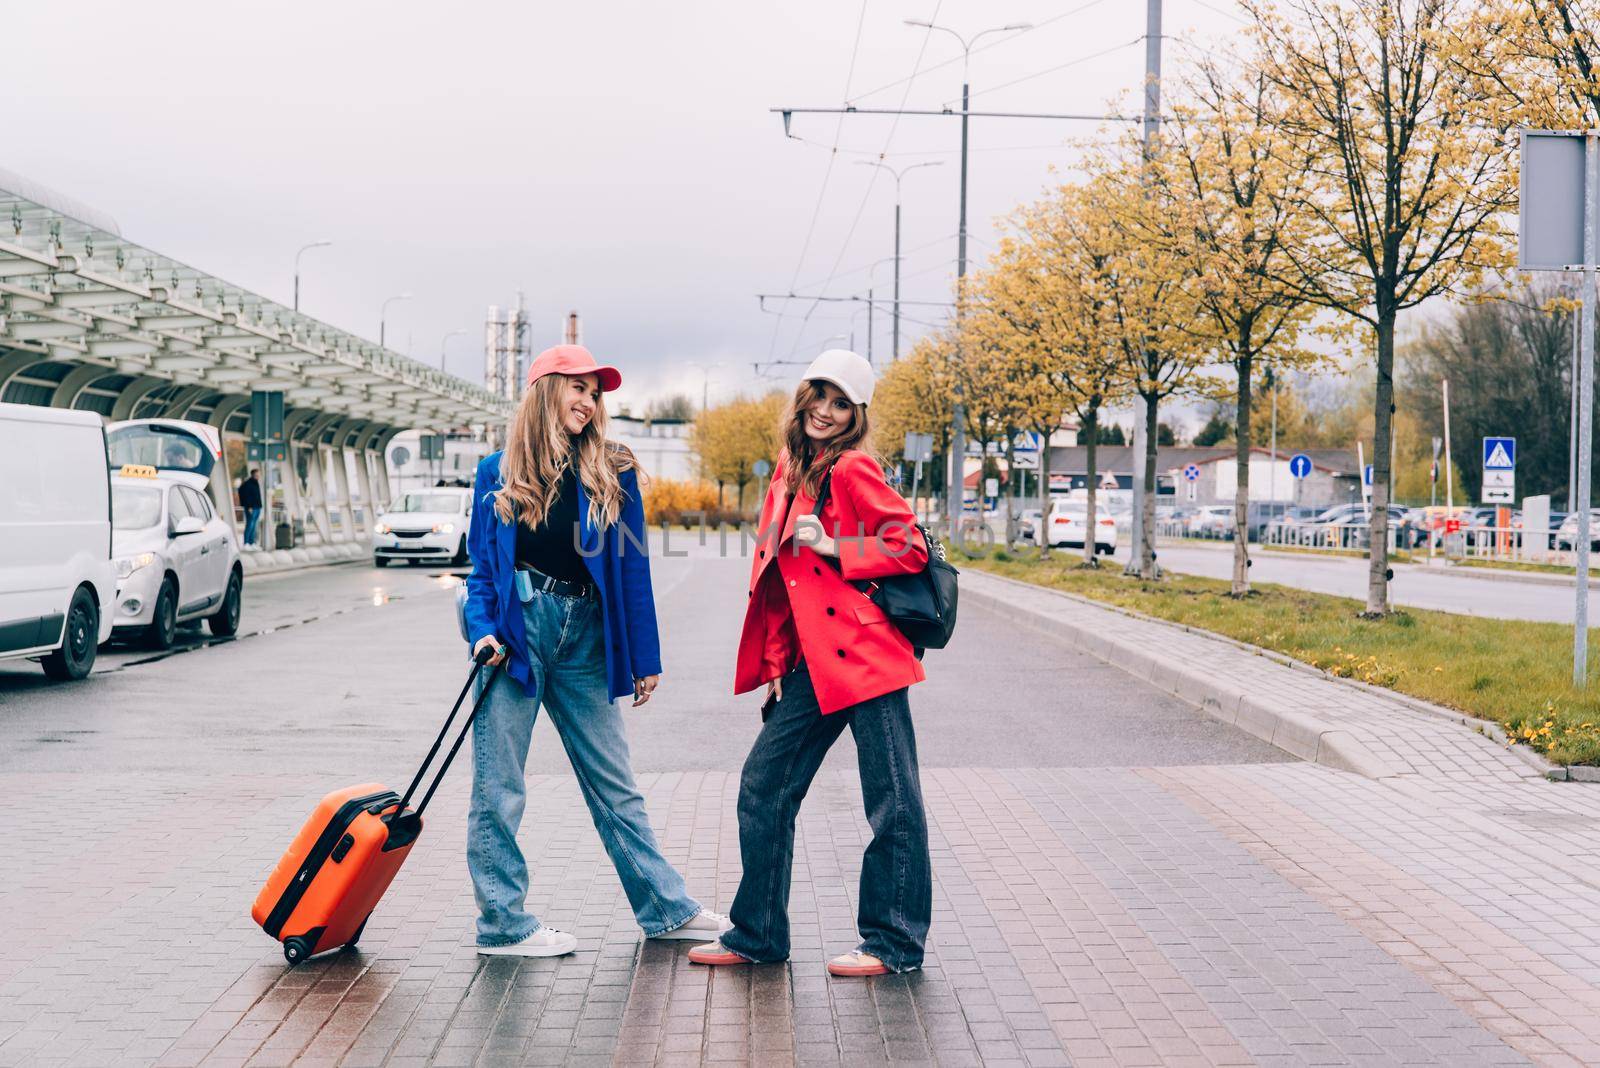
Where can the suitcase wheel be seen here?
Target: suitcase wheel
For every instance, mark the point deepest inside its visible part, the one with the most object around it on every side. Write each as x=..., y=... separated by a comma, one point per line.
x=297, y=949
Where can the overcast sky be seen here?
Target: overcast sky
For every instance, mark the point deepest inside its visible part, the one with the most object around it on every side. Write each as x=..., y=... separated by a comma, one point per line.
x=617, y=158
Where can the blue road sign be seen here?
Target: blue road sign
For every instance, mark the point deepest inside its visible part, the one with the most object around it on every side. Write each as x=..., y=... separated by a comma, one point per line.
x=1366, y=475
x=1300, y=465
x=1191, y=472
x=1499, y=454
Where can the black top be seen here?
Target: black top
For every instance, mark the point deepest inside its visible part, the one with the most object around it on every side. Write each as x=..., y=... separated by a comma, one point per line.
x=249, y=494
x=553, y=548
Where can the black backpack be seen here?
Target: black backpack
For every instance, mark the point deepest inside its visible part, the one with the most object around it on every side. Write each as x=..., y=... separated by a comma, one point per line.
x=922, y=605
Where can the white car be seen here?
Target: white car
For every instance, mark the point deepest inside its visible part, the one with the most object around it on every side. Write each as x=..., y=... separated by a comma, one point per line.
x=1068, y=527
x=428, y=524
x=1567, y=533
x=176, y=560
x=56, y=582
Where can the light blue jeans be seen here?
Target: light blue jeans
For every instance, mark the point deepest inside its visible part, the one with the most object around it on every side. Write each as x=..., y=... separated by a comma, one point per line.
x=567, y=655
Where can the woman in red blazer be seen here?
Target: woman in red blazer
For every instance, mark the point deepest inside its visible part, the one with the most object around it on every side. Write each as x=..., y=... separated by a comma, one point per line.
x=830, y=659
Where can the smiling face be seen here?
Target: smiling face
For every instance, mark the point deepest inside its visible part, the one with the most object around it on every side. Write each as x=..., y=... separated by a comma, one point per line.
x=828, y=415
x=579, y=401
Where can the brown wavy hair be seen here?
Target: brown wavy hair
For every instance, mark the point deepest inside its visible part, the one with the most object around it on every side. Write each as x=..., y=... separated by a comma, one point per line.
x=539, y=450
x=807, y=463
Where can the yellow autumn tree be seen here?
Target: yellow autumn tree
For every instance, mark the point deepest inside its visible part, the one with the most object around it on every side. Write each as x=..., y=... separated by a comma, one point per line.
x=1150, y=307
x=913, y=396
x=1042, y=296
x=1229, y=165
x=1414, y=181
x=731, y=438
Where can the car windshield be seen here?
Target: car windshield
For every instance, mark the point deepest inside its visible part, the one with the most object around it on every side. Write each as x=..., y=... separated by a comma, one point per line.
x=159, y=447
x=428, y=502
x=135, y=507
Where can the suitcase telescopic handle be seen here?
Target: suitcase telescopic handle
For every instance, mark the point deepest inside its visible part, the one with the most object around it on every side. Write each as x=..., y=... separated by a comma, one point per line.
x=478, y=662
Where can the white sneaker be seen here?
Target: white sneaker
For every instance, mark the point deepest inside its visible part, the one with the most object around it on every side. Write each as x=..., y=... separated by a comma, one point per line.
x=706, y=927
x=545, y=942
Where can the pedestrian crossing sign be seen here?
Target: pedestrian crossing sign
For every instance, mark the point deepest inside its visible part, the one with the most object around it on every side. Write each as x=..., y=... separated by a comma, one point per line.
x=1499, y=470
x=1499, y=454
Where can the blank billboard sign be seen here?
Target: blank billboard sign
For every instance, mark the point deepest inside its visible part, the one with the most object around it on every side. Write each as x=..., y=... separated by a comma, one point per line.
x=1550, y=213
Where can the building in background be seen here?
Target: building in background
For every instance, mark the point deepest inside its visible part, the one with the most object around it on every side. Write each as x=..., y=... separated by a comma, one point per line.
x=662, y=445
x=408, y=471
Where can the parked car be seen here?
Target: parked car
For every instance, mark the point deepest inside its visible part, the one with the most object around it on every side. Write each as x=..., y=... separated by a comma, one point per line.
x=56, y=581
x=1294, y=515
x=1567, y=532
x=1068, y=527
x=428, y=524
x=1028, y=523
x=1212, y=521
x=177, y=560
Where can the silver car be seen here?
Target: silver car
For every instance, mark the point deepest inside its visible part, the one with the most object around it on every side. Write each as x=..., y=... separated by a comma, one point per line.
x=176, y=560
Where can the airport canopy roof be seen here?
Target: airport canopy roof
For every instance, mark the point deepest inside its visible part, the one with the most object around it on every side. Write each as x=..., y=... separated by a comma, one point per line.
x=72, y=289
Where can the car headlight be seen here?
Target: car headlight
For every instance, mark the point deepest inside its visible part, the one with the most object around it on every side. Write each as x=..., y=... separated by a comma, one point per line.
x=127, y=565
x=381, y=528
x=444, y=528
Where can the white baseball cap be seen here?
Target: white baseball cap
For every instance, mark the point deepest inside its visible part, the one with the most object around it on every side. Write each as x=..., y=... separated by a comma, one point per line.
x=847, y=370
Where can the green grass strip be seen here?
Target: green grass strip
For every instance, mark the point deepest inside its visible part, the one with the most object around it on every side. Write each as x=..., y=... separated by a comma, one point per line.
x=1518, y=674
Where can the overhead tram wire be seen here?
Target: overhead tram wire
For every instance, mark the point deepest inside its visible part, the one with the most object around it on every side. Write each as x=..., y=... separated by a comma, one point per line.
x=916, y=153
x=1234, y=15
x=867, y=267
x=844, y=248
x=816, y=210
x=978, y=51
x=1052, y=70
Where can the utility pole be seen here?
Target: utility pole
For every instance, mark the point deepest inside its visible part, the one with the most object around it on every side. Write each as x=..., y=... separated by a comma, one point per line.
x=869, y=324
x=956, y=508
x=894, y=351
x=1152, y=128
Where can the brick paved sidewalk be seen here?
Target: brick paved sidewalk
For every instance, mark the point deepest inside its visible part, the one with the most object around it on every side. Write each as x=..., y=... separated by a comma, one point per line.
x=1267, y=914
x=1298, y=710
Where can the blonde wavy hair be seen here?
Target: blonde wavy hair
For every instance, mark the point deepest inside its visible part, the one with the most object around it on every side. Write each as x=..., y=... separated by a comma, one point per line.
x=539, y=450
x=807, y=462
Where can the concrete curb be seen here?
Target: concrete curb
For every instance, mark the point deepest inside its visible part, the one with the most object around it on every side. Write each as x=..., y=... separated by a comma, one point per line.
x=1488, y=574
x=1504, y=575
x=272, y=561
x=1296, y=733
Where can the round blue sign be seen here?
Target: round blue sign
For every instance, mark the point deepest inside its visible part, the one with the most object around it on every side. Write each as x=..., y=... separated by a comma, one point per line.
x=1300, y=465
x=1192, y=473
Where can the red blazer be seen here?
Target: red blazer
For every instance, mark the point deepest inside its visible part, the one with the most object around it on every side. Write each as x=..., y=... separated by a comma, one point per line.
x=805, y=605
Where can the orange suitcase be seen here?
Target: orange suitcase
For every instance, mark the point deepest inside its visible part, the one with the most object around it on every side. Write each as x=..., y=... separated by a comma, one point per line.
x=348, y=852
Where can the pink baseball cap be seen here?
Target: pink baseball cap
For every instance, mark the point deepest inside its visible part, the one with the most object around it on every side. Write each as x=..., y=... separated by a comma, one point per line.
x=573, y=360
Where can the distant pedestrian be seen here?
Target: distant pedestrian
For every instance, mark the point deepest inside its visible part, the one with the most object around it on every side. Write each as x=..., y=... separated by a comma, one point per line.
x=250, y=501
x=560, y=570
x=830, y=659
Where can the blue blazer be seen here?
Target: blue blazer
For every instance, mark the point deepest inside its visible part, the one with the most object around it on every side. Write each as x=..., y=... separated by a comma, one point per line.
x=618, y=561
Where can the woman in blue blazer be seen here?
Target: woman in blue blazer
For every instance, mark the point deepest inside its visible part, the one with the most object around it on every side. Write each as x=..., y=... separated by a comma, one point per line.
x=560, y=590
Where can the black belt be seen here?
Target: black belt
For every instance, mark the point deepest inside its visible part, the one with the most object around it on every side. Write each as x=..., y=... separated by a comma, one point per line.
x=551, y=584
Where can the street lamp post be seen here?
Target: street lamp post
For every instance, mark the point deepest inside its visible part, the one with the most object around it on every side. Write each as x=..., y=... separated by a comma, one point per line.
x=444, y=345
x=303, y=250
x=705, y=381
x=959, y=413
x=894, y=351
x=383, y=318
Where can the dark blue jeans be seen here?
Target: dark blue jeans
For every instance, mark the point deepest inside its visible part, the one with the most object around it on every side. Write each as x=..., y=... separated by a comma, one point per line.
x=896, y=900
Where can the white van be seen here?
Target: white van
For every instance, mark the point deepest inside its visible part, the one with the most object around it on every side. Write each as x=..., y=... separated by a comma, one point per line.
x=57, y=584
